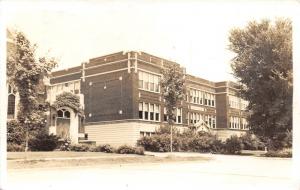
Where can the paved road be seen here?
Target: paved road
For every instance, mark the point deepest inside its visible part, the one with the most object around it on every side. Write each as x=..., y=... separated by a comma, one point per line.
x=223, y=172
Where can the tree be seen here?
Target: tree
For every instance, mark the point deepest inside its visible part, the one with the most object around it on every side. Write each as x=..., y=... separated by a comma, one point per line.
x=173, y=90
x=26, y=73
x=263, y=66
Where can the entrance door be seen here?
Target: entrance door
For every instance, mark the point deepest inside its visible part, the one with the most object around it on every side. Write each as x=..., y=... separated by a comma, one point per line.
x=63, y=124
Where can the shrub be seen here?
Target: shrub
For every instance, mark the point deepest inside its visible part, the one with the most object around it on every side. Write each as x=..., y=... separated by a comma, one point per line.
x=82, y=148
x=188, y=141
x=217, y=146
x=64, y=145
x=250, y=142
x=15, y=133
x=125, y=149
x=11, y=147
x=104, y=148
x=139, y=150
x=233, y=145
x=285, y=153
x=159, y=143
x=43, y=142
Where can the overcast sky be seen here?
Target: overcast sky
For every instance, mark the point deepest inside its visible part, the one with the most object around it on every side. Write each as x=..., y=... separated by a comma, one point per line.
x=194, y=34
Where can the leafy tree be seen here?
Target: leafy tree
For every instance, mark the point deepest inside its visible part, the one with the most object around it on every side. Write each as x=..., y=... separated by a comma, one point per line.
x=26, y=73
x=263, y=66
x=173, y=90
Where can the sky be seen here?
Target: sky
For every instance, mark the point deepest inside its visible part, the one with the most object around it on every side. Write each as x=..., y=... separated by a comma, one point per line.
x=192, y=33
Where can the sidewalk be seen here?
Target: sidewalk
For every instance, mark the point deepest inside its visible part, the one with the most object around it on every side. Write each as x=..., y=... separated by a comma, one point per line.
x=178, y=154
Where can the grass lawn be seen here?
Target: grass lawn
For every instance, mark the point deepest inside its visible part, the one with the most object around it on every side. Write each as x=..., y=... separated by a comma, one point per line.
x=57, y=154
x=73, y=159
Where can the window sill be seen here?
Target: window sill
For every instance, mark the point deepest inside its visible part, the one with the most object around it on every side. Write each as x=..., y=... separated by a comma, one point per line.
x=149, y=91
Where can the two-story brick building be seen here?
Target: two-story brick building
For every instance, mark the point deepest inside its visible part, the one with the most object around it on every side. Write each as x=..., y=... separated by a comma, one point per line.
x=122, y=101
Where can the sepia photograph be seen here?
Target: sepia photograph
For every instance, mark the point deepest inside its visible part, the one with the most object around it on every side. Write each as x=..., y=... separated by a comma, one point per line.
x=149, y=94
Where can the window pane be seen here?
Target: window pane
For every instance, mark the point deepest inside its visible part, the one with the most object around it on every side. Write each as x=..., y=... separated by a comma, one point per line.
x=60, y=113
x=11, y=104
x=67, y=114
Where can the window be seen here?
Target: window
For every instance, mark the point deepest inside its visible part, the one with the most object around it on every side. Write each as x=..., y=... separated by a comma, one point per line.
x=209, y=121
x=244, y=124
x=187, y=117
x=11, y=105
x=156, y=83
x=237, y=103
x=214, y=122
x=60, y=113
x=152, y=112
x=157, y=110
x=165, y=115
x=213, y=100
x=235, y=123
x=11, y=102
x=73, y=87
x=67, y=114
x=146, y=111
x=149, y=81
x=197, y=117
x=141, y=110
x=63, y=113
x=151, y=77
x=141, y=80
x=149, y=111
x=201, y=97
x=205, y=99
x=77, y=87
x=179, y=115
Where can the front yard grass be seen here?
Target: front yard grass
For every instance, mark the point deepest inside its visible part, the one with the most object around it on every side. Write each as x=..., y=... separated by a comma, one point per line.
x=16, y=160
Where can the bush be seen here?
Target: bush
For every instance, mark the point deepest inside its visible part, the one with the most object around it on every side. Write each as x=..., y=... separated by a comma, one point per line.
x=188, y=141
x=11, y=147
x=139, y=150
x=217, y=146
x=104, y=148
x=233, y=145
x=64, y=145
x=125, y=149
x=159, y=143
x=251, y=142
x=82, y=148
x=15, y=133
x=43, y=142
x=285, y=153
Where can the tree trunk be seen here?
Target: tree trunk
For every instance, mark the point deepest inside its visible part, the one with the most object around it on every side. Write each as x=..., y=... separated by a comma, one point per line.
x=171, y=145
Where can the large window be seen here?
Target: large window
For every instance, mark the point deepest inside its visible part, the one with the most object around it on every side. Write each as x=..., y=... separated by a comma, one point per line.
x=73, y=87
x=245, y=123
x=237, y=103
x=148, y=81
x=148, y=111
x=234, y=122
x=11, y=104
x=209, y=120
x=202, y=98
x=195, y=117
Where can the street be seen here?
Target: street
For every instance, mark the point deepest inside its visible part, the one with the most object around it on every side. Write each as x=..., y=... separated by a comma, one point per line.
x=222, y=172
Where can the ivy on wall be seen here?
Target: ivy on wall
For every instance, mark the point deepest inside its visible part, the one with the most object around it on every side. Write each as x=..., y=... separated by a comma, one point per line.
x=67, y=99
